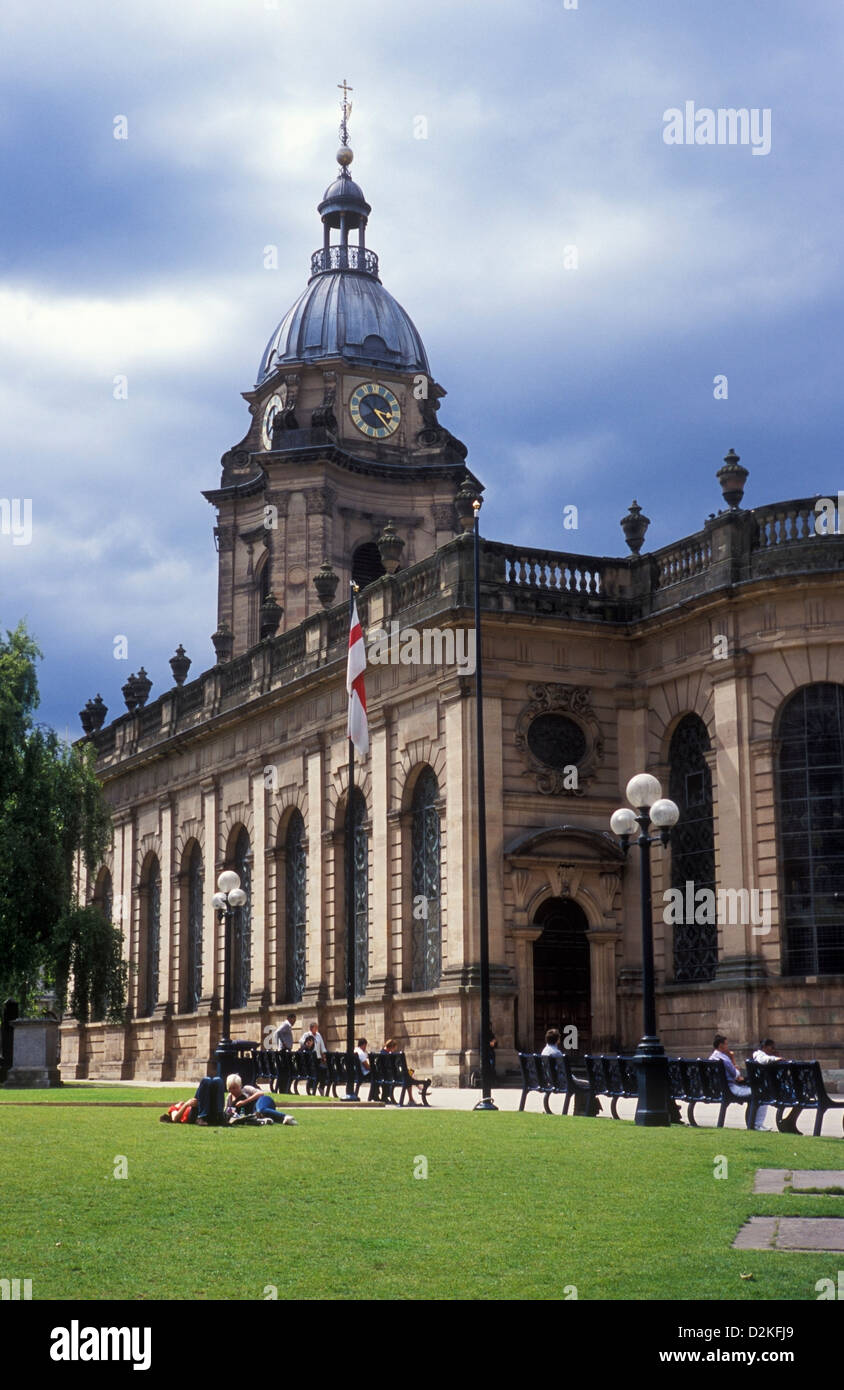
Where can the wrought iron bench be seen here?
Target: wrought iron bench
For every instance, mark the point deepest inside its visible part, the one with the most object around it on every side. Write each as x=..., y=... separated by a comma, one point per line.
x=701, y=1081
x=790, y=1085
x=611, y=1076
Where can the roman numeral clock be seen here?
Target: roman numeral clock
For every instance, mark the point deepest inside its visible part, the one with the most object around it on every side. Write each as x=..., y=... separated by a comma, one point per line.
x=375, y=410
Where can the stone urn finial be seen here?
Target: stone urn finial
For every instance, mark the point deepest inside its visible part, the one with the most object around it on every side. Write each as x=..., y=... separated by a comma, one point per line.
x=93, y=716
x=99, y=710
x=130, y=693
x=732, y=478
x=143, y=685
x=223, y=640
x=634, y=525
x=271, y=613
x=180, y=664
x=390, y=546
x=463, y=505
x=325, y=583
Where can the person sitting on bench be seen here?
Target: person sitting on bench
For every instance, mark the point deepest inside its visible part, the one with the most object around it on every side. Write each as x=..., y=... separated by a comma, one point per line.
x=765, y=1054
x=721, y=1053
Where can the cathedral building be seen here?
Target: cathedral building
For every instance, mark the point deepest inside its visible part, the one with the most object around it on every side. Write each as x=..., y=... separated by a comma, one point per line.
x=716, y=663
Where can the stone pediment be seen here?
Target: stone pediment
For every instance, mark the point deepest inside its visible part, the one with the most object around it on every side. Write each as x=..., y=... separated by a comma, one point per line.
x=569, y=843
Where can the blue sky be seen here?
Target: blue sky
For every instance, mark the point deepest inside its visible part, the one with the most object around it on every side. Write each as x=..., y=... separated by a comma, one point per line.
x=585, y=386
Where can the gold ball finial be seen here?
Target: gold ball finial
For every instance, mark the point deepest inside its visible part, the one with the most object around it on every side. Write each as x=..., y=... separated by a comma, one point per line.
x=345, y=155
x=476, y=505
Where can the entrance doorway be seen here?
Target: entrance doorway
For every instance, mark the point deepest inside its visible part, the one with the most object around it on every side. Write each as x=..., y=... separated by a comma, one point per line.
x=561, y=985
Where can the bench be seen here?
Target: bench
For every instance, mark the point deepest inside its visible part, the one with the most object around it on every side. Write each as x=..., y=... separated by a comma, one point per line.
x=553, y=1076
x=701, y=1081
x=789, y=1085
x=613, y=1076
x=286, y=1070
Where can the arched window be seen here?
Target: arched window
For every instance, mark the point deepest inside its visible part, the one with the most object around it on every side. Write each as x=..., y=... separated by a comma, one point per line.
x=426, y=943
x=366, y=564
x=810, y=798
x=242, y=925
x=295, y=860
x=361, y=902
x=692, y=847
x=104, y=900
x=192, y=958
x=151, y=940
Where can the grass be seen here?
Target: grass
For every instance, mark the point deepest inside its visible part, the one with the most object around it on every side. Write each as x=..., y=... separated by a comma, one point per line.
x=81, y=1093
x=513, y=1207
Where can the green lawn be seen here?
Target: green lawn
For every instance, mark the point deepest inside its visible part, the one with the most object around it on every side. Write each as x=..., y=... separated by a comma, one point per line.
x=513, y=1207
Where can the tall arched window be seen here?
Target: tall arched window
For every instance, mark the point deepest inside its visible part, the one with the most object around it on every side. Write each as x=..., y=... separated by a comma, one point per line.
x=242, y=925
x=192, y=981
x=361, y=902
x=295, y=861
x=151, y=943
x=692, y=846
x=426, y=944
x=104, y=900
x=810, y=797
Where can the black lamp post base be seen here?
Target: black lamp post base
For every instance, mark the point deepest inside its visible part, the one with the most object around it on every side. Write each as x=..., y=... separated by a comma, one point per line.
x=225, y=1057
x=486, y=1103
x=651, y=1066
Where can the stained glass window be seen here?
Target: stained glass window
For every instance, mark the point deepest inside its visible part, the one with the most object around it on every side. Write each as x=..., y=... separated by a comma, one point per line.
x=295, y=885
x=692, y=847
x=426, y=948
x=242, y=926
x=193, y=964
x=810, y=796
x=361, y=904
x=153, y=939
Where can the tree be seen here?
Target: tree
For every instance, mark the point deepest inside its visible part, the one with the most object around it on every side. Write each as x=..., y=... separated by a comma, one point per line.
x=52, y=813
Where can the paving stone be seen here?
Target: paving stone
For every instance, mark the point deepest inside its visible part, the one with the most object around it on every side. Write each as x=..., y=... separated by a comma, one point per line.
x=810, y=1233
x=818, y=1177
x=757, y=1234
x=771, y=1179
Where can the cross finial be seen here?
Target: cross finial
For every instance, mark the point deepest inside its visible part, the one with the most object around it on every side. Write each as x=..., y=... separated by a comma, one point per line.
x=347, y=111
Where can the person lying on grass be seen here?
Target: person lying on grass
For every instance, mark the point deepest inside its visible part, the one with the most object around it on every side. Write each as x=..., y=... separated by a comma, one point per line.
x=205, y=1108
x=248, y=1102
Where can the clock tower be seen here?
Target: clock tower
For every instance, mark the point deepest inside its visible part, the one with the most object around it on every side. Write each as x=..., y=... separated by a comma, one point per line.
x=344, y=440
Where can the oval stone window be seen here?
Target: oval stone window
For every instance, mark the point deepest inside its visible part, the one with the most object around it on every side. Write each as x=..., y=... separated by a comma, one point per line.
x=556, y=741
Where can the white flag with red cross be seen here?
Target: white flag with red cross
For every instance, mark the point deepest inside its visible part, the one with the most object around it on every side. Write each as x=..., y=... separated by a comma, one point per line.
x=357, y=727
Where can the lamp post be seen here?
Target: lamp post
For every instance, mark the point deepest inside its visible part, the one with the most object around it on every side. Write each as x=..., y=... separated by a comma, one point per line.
x=228, y=898
x=650, y=808
x=486, y=1101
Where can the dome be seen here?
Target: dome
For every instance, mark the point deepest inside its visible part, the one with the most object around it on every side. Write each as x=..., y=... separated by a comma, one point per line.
x=344, y=196
x=348, y=314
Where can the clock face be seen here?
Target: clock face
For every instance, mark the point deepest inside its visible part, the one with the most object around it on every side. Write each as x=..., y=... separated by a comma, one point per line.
x=274, y=405
x=375, y=410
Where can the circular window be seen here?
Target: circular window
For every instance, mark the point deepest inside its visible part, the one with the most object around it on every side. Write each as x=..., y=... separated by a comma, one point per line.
x=556, y=741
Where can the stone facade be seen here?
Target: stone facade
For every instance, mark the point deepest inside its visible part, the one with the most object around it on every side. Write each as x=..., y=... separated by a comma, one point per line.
x=726, y=625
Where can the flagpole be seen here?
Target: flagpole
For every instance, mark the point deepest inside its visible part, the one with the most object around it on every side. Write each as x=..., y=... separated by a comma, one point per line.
x=350, y=909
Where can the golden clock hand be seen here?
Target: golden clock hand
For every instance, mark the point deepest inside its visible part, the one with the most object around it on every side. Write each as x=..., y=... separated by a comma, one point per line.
x=385, y=419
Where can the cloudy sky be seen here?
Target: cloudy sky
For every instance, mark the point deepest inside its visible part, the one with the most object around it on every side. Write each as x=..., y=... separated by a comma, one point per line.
x=143, y=258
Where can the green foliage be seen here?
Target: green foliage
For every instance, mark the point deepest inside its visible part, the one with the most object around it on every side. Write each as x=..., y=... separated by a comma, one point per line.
x=51, y=810
x=88, y=950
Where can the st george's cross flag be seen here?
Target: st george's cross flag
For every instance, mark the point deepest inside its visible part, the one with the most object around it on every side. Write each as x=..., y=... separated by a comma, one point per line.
x=357, y=727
